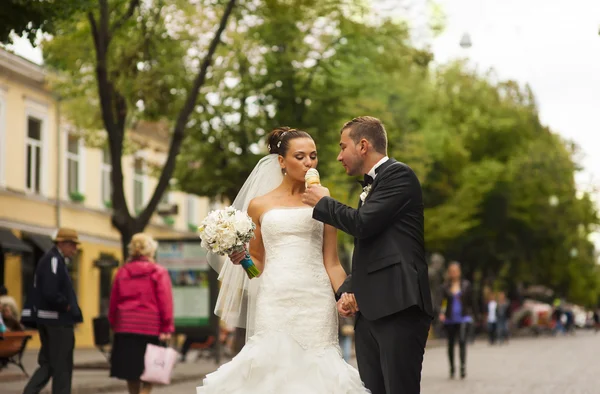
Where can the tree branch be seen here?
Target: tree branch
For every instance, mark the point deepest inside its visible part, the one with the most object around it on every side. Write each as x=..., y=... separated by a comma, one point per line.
x=94, y=29
x=115, y=130
x=133, y=4
x=104, y=16
x=182, y=119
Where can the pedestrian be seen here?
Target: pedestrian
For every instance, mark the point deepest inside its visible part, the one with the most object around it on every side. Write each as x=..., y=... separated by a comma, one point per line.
x=492, y=318
x=457, y=315
x=346, y=334
x=140, y=312
x=10, y=320
x=8, y=300
x=503, y=318
x=55, y=310
x=557, y=317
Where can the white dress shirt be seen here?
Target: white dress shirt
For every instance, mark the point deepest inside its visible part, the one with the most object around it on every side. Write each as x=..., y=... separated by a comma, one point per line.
x=372, y=173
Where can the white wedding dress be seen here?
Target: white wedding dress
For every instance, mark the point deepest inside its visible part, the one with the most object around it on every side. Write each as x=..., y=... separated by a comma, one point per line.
x=295, y=348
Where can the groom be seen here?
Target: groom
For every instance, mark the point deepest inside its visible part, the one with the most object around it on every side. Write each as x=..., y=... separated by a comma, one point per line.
x=389, y=273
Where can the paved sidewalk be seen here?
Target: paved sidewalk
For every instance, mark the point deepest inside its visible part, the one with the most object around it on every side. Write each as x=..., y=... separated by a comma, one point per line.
x=97, y=380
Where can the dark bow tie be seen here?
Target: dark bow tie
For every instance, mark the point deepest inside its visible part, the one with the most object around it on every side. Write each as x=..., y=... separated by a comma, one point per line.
x=368, y=180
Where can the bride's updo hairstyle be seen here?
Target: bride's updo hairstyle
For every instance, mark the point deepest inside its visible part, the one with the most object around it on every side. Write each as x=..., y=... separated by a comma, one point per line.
x=278, y=141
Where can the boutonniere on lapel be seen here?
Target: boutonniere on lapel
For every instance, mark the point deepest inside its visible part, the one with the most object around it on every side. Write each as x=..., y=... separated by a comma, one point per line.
x=365, y=193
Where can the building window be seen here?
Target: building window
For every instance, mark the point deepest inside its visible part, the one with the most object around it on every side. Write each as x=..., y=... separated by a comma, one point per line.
x=73, y=164
x=106, y=182
x=191, y=210
x=165, y=199
x=34, y=154
x=138, y=184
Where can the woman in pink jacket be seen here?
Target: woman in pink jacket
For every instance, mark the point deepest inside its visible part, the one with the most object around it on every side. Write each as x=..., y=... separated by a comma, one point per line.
x=141, y=312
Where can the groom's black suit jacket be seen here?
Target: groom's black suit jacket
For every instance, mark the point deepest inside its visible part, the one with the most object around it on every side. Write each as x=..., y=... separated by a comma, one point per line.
x=389, y=270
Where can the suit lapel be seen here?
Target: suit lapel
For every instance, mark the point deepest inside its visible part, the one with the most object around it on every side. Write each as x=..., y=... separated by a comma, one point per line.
x=380, y=171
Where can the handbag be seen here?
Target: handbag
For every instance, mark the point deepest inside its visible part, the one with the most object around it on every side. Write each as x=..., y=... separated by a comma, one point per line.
x=158, y=364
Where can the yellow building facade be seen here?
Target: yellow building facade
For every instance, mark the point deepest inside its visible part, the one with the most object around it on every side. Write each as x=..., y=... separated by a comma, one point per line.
x=49, y=178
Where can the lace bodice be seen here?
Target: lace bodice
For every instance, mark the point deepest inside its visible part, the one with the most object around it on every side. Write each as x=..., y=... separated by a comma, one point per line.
x=295, y=295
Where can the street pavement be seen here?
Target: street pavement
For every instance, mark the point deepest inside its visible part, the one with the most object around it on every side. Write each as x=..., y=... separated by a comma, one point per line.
x=544, y=365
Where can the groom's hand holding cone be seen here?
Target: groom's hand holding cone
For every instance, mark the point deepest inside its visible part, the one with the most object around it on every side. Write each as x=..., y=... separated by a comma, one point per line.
x=314, y=191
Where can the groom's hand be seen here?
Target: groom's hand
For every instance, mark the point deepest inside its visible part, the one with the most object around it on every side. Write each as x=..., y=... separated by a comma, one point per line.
x=342, y=312
x=314, y=194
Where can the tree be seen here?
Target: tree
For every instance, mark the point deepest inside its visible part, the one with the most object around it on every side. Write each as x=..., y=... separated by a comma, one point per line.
x=29, y=17
x=299, y=64
x=137, y=56
x=493, y=169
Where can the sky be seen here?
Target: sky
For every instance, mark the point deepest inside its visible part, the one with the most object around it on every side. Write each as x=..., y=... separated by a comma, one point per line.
x=553, y=45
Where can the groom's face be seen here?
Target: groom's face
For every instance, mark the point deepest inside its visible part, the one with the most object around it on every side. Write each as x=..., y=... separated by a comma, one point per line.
x=350, y=155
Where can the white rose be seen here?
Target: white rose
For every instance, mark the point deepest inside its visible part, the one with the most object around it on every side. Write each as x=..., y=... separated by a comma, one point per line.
x=228, y=240
x=242, y=223
x=209, y=232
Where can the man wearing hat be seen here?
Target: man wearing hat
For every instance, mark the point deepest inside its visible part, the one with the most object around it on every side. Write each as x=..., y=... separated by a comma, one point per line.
x=55, y=309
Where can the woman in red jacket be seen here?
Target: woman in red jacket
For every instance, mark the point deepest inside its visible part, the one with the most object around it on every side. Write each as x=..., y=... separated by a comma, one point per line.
x=141, y=312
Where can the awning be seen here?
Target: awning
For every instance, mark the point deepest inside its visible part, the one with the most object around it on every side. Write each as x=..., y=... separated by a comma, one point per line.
x=42, y=242
x=10, y=243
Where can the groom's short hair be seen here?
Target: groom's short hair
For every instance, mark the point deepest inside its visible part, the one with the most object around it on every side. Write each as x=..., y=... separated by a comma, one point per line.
x=369, y=128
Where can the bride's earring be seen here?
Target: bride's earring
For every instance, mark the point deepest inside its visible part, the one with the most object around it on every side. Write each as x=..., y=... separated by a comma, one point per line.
x=284, y=171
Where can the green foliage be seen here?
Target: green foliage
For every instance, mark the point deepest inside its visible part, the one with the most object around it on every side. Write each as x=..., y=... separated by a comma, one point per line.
x=494, y=171
x=298, y=64
x=146, y=63
x=30, y=17
x=77, y=197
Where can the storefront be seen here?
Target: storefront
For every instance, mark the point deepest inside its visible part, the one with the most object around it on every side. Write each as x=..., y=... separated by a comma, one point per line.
x=91, y=271
x=13, y=251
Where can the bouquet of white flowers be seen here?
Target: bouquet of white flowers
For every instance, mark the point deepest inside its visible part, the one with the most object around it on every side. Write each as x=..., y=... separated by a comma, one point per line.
x=226, y=231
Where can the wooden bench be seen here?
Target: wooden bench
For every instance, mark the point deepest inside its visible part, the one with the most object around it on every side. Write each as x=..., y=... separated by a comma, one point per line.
x=12, y=346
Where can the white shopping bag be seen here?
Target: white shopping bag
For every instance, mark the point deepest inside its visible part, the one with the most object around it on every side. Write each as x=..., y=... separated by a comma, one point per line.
x=158, y=364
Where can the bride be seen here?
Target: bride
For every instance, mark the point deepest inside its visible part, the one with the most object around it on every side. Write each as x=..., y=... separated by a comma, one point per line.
x=289, y=312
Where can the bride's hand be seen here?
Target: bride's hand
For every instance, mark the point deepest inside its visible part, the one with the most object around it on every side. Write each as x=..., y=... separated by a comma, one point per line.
x=349, y=302
x=347, y=305
x=237, y=257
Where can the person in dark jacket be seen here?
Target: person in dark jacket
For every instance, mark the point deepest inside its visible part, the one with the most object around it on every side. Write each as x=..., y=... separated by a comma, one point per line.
x=457, y=314
x=55, y=310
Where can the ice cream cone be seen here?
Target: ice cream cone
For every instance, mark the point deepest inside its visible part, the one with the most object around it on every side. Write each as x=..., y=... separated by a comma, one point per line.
x=312, y=177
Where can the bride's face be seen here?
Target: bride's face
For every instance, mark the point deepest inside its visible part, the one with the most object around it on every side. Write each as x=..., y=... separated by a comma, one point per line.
x=300, y=157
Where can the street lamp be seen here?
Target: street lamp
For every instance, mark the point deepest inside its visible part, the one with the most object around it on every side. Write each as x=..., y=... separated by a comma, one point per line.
x=465, y=41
